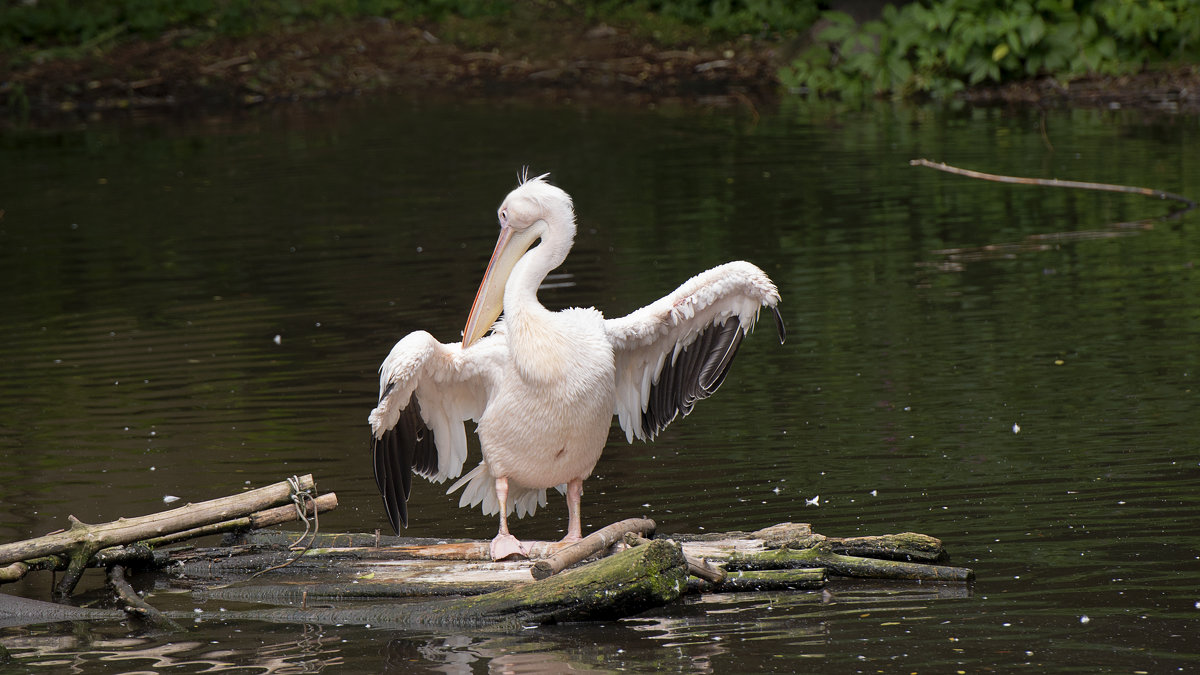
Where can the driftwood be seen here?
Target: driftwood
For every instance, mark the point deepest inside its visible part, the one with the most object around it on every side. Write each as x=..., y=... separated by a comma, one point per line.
x=129, y=530
x=82, y=545
x=310, y=585
x=620, y=585
x=1054, y=182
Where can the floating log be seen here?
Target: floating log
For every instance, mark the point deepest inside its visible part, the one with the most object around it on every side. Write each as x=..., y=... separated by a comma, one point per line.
x=17, y=611
x=505, y=595
x=844, y=565
x=906, y=546
x=621, y=585
x=804, y=579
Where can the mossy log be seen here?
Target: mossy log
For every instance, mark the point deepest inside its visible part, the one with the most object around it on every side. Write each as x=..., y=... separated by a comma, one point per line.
x=795, y=545
x=621, y=585
x=906, y=546
x=805, y=579
x=843, y=565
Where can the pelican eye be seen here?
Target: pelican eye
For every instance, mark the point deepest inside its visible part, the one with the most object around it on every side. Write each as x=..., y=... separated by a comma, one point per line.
x=504, y=216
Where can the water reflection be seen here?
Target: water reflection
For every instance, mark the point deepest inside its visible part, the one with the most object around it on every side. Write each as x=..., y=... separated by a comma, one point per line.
x=1035, y=409
x=459, y=654
x=302, y=649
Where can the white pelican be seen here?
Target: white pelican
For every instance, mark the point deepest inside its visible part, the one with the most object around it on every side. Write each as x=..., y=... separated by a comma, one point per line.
x=543, y=387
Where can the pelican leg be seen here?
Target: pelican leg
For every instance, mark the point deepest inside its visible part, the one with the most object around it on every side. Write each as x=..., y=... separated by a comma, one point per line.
x=574, y=524
x=505, y=545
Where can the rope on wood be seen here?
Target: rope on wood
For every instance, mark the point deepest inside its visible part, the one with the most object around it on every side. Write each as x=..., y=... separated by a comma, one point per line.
x=302, y=499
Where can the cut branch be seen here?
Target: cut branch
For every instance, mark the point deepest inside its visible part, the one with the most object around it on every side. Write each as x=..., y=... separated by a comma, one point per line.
x=590, y=545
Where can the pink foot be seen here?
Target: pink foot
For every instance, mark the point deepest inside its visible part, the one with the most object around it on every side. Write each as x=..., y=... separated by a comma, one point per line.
x=571, y=539
x=505, y=545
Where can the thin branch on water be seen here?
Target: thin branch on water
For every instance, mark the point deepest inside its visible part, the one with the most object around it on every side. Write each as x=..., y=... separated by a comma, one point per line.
x=1054, y=182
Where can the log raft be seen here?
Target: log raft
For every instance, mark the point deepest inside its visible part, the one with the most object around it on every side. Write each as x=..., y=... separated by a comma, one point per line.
x=620, y=570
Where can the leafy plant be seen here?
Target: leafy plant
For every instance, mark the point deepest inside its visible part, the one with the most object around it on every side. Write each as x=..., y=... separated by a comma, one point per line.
x=938, y=47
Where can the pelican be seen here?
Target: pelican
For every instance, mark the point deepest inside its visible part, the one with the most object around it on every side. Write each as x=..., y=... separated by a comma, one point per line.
x=543, y=386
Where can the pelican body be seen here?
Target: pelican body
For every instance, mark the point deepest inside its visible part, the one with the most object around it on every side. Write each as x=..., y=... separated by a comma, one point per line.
x=543, y=386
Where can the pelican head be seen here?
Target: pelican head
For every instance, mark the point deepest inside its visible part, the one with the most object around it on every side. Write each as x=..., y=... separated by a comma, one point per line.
x=534, y=210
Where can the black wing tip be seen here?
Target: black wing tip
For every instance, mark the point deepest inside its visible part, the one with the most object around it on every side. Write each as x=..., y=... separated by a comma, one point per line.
x=695, y=374
x=401, y=451
x=779, y=324
x=390, y=470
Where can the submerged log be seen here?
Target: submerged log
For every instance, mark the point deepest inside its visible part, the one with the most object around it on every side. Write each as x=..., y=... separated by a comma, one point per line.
x=17, y=611
x=132, y=603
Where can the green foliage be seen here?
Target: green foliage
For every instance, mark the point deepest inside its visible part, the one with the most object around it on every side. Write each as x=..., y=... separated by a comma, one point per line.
x=84, y=24
x=938, y=47
x=733, y=17
x=50, y=24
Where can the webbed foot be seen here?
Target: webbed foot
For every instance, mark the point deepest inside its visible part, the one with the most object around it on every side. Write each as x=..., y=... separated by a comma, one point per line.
x=506, y=545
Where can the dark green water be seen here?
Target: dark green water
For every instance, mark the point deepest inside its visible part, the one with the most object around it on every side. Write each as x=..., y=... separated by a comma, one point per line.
x=1030, y=399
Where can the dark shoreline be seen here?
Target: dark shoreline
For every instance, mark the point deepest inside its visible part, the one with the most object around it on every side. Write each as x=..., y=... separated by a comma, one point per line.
x=379, y=56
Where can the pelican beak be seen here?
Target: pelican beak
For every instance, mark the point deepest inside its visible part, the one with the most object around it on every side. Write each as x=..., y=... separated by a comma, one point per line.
x=489, y=301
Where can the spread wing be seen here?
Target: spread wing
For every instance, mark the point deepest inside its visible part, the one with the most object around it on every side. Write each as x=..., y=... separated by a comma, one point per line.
x=678, y=349
x=426, y=391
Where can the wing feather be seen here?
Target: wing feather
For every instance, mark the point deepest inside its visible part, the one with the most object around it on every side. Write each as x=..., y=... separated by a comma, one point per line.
x=677, y=350
x=427, y=391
